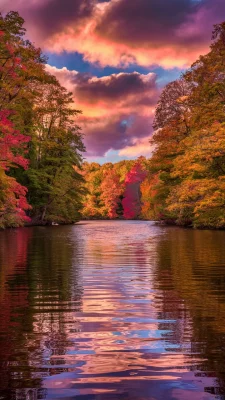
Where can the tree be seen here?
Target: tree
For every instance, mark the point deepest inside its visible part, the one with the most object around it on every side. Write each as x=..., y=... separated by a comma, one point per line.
x=13, y=203
x=54, y=183
x=112, y=193
x=132, y=194
x=173, y=105
x=188, y=164
x=37, y=130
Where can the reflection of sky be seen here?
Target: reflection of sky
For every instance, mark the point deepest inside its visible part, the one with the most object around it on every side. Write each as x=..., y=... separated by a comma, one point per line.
x=118, y=346
x=121, y=328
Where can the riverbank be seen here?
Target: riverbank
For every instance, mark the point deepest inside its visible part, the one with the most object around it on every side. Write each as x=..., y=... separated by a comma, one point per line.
x=155, y=222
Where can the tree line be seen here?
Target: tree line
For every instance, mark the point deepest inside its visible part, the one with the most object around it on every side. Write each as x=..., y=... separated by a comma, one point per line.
x=40, y=144
x=184, y=181
x=42, y=174
x=187, y=169
x=113, y=190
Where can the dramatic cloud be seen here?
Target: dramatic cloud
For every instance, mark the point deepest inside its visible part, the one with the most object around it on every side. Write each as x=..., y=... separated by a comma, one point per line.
x=117, y=109
x=120, y=32
x=45, y=18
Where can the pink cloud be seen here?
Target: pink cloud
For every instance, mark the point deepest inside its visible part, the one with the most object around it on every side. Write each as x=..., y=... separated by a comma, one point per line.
x=117, y=109
x=139, y=147
x=160, y=32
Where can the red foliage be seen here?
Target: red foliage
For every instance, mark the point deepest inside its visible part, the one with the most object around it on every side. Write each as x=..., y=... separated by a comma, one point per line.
x=12, y=143
x=111, y=190
x=15, y=202
x=12, y=147
x=132, y=195
x=136, y=174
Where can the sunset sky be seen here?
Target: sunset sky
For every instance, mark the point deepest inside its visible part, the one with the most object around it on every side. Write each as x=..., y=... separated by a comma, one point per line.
x=115, y=56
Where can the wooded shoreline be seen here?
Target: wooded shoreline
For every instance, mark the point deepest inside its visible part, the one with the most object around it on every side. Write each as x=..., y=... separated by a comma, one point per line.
x=43, y=176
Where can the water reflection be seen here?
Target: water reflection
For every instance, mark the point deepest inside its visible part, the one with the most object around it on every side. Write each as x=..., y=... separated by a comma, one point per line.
x=112, y=310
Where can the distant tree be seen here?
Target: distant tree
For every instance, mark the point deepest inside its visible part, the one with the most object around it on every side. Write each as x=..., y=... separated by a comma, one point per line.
x=132, y=194
x=112, y=193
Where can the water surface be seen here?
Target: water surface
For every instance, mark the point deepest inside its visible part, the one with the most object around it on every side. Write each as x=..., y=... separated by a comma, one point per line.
x=112, y=310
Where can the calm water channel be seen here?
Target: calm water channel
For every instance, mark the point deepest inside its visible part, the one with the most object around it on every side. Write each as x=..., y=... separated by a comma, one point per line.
x=112, y=310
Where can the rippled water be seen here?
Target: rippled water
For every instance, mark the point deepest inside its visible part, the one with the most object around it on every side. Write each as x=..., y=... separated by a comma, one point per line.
x=112, y=310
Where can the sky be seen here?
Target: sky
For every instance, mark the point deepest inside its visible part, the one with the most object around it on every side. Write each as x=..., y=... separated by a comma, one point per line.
x=115, y=57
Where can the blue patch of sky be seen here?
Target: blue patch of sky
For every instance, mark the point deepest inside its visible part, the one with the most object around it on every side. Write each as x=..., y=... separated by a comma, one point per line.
x=75, y=61
x=128, y=122
x=165, y=76
x=111, y=156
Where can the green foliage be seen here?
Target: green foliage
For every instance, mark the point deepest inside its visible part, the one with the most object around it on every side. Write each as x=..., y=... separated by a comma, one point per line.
x=42, y=114
x=55, y=184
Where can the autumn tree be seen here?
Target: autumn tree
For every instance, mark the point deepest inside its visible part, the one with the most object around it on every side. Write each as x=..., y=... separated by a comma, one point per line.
x=132, y=194
x=13, y=141
x=105, y=185
x=188, y=165
x=38, y=133
x=112, y=194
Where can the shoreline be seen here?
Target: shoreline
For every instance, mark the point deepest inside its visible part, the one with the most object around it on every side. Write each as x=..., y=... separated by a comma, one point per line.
x=157, y=223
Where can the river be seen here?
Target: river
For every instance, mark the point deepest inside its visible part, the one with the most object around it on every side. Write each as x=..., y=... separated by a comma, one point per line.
x=106, y=310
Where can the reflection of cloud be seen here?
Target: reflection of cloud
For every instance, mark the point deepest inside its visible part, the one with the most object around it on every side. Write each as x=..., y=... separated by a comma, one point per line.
x=117, y=109
x=167, y=33
x=124, y=345
x=112, y=315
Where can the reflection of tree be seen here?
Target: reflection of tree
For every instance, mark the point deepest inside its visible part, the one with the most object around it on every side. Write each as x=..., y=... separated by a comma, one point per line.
x=38, y=294
x=13, y=297
x=191, y=274
x=152, y=304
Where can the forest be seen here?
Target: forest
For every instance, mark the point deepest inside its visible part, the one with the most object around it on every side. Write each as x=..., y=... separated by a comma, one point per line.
x=40, y=144
x=43, y=175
